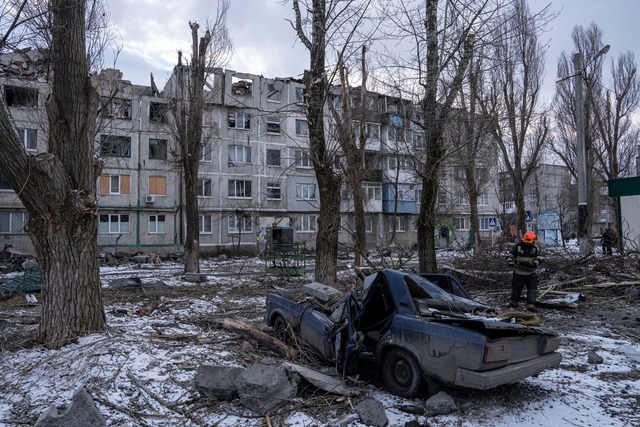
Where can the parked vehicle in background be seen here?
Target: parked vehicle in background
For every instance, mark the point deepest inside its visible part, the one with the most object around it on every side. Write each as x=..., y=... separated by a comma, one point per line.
x=414, y=333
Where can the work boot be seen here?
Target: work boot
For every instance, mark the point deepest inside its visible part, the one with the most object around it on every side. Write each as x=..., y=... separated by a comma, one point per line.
x=531, y=307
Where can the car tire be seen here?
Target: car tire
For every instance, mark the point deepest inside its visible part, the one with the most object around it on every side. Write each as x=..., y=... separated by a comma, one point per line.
x=401, y=373
x=281, y=329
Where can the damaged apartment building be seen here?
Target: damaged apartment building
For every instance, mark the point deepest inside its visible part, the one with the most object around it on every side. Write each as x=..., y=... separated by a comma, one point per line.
x=255, y=168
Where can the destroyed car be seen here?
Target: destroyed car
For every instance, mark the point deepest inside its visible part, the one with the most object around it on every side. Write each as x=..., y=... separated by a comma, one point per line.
x=394, y=329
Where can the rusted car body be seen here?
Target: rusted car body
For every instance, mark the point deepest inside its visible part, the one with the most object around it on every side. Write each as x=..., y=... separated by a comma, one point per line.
x=396, y=326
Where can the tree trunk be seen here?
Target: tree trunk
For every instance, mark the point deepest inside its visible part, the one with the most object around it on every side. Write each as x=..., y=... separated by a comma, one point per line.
x=58, y=188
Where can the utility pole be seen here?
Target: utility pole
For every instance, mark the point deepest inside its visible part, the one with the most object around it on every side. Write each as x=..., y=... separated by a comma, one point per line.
x=583, y=234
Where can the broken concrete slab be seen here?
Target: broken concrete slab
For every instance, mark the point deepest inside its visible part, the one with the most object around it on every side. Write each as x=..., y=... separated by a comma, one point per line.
x=439, y=404
x=81, y=412
x=594, y=358
x=324, y=293
x=265, y=386
x=218, y=382
x=372, y=413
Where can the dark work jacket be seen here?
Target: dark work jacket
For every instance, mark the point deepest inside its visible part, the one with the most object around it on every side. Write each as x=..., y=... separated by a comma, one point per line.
x=522, y=253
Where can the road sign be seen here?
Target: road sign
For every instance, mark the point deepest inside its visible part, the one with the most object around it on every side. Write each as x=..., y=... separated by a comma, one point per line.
x=492, y=222
x=528, y=216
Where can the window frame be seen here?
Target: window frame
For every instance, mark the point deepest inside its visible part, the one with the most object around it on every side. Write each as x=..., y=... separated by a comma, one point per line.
x=302, y=159
x=204, y=187
x=300, y=129
x=239, y=189
x=269, y=159
x=271, y=189
x=159, y=145
x=15, y=222
x=239, y=155
x=205, y=223
x=157, y=224
x=115, y=146
x=306, y=191
x=307, y=223
x=239, y=224
x=114, y=220
x=239, y=120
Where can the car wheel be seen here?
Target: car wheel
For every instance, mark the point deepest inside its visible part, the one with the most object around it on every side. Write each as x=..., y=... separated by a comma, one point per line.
x=281, y=329
x=401, y=373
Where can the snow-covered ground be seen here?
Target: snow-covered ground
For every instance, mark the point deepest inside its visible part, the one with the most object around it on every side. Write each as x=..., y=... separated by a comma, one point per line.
x=141, y=372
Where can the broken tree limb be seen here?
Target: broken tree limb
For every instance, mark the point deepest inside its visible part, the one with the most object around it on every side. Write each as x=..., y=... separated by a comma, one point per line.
x=248, y=331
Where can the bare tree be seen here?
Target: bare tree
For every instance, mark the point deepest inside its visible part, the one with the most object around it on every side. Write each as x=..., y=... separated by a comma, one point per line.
x=330, y=21
x=521, y=128
x=610, y=132
x=58, y=187
x=187, y=105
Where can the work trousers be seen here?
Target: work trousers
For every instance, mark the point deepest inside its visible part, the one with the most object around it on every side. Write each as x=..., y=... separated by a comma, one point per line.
x=519, y=282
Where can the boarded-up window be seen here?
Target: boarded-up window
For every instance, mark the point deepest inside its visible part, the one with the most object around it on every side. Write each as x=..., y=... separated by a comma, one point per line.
x=158, y=185
x=107, y=184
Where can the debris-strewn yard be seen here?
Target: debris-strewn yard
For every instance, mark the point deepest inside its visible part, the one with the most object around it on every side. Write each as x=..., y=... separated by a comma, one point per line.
x=162, y=328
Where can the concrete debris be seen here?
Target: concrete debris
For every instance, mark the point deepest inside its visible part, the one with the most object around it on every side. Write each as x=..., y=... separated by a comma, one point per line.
x=594, y=358
x=440, y=404
x=82, y=412
x=372, y=413
x=265, y=386
x=218, y=382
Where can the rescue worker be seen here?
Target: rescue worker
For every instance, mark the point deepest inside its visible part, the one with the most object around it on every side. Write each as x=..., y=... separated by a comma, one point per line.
x=524, y=258
x=609, y=240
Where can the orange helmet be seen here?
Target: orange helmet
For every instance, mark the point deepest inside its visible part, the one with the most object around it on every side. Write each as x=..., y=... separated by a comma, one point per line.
x=529, y=238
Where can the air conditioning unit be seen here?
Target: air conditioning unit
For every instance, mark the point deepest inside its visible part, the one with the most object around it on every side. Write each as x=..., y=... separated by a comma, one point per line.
x=150, y=199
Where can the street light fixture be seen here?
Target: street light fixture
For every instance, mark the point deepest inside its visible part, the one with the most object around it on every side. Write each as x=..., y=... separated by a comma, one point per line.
x=578, y=69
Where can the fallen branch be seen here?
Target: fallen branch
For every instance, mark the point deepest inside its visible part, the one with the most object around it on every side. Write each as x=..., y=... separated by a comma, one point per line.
x=260, y=337
x=151, y=307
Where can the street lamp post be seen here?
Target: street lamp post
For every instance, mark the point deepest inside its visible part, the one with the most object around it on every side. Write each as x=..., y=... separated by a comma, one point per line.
x=581, y=155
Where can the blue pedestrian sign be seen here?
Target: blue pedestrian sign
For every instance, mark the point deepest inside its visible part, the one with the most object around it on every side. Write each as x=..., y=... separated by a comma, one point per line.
x=528, y=216
x=492, y=222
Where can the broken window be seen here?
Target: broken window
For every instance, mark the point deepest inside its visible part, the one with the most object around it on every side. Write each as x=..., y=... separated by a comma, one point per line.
x=4, y=184
x=113, y=224
x=115, y=146
x=274, y=91
x=273, y=124
x=300, y=93
x=273, y=157
x=239, y=120
x=29, y=138
x=16, y=96
x=157, y=149
x=208, y=116
x=273, y=191
x=12, y=222
x=158, y=112
x=241, y=87
x=118, y=108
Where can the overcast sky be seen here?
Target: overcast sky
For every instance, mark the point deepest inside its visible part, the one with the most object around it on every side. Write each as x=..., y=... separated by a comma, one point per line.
x=153, y=31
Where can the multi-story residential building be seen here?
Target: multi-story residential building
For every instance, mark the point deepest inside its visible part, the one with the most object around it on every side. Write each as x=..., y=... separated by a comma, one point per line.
x=255, y=169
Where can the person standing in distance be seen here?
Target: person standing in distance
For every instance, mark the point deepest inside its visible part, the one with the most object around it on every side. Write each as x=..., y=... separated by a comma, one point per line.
x=524, y=258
